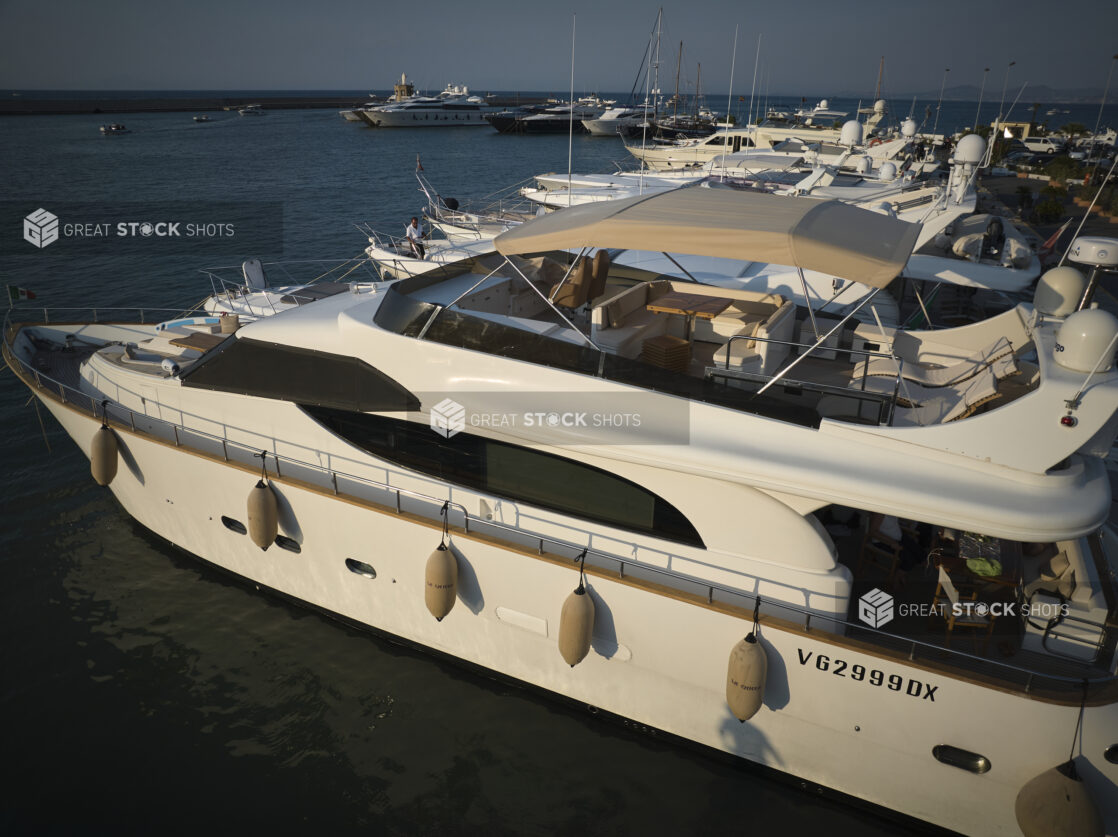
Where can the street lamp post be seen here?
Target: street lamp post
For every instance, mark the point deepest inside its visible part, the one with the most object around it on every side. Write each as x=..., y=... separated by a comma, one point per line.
x=981, y=90
x=1005, y=85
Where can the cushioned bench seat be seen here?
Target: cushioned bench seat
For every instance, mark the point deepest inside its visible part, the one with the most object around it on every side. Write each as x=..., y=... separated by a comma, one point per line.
x=627, y=339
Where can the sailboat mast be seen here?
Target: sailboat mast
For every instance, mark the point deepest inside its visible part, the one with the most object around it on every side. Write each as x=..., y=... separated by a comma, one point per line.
x=656, y=68
x=880, y=76
x=698, y=92
x=675, y=96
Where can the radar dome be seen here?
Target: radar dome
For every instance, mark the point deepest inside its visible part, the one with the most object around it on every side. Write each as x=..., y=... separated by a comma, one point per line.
x=908, y=129
x=824, y=104
x=864, y=164
x=884, y=208
x=879, y=106
x=1058, y=291
x=971, y=149
x=851, y=133
x=887, y=171
x=1094, y=250
x=1087, y=339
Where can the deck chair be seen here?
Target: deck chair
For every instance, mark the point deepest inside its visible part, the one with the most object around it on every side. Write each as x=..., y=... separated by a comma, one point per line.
x=254, y=275
x=998, y=357
x=946, y=597
x=576, y=289
x=879, y=551
x=598, y=274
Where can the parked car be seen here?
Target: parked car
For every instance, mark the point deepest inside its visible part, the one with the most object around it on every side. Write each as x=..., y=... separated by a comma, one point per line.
x=1019, y=158
x=1044, y=145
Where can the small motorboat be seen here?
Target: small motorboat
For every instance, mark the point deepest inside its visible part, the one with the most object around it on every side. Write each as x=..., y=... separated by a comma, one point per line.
x=251, y=110
x=201, y=118
x=113, y=129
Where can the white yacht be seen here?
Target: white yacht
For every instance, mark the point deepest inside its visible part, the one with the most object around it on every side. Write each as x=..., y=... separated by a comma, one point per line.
x=613, y=120
x=354, y=114
x=253, y=290
x=641, y=494
x=556, y=118
x=251, y=110
x=395, y=257
x=826, y=139
x=454, y=107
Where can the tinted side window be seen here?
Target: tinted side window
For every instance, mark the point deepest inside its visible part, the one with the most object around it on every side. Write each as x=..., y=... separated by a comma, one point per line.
x=514, y=472
x=271, y=370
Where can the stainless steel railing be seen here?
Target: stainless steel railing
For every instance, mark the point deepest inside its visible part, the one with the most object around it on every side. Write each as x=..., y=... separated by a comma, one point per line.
x=887, y=403
x=228, y=280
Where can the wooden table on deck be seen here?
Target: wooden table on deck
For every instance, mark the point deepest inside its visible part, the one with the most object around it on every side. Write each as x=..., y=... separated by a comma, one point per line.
x=690, y=306
x=1007, y=554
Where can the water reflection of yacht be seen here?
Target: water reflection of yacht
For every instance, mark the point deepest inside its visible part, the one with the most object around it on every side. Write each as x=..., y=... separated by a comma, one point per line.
x=413, y=452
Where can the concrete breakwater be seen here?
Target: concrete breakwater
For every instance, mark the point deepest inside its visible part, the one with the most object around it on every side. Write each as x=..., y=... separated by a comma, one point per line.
x=167, y=104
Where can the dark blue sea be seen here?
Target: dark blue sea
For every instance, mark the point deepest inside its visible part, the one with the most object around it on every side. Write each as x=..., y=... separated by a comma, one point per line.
x=143, y=691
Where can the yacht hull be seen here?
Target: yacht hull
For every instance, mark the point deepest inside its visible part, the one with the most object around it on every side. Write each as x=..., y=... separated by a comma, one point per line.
x=658, y=656
x=428, y=118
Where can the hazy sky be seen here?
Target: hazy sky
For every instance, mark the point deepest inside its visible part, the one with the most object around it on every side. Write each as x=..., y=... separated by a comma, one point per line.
x=808, y=46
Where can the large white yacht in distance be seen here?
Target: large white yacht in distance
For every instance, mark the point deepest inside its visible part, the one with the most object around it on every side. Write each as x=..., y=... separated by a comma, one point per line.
x=630, y=491
x=454, y=107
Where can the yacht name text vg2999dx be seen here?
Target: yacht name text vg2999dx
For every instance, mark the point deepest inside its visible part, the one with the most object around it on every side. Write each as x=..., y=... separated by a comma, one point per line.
x=410, y=455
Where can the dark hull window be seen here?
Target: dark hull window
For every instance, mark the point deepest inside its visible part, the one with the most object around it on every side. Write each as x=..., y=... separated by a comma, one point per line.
x=272, y=370
x=513, y=472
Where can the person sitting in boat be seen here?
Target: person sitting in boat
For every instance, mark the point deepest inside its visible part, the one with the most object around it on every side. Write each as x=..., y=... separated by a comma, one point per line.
x=416, y=234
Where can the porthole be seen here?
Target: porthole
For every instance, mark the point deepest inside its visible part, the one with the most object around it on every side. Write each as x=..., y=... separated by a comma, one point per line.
x=963, y=759
x=360, y=568
x=1111, y=754
x=287, y=543
x=233, y=525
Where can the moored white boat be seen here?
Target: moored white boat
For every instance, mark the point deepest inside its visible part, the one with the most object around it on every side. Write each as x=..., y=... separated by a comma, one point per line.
x=700, y=527
x=454, y=107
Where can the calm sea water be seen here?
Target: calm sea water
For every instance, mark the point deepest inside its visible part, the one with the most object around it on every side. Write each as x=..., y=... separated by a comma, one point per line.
x=146, y=692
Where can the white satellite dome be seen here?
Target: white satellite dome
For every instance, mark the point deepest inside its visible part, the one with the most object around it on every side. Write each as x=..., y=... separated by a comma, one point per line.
x=879, y=106
x=1088, y=338
x=1058, y=291
x=970, y=149
x=908, y=128
x=887, y=171
x=864, y=164
x=851, y=133
x=1094, y=250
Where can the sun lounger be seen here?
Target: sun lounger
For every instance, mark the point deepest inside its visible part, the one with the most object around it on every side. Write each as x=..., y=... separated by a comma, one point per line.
x=998, y=357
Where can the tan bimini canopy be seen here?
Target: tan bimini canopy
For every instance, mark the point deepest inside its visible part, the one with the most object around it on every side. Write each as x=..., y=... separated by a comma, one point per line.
x=827, y=236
